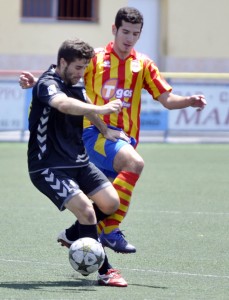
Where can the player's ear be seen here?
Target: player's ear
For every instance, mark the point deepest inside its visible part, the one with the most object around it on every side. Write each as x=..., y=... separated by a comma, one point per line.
x=63, y=62
x=114, y=29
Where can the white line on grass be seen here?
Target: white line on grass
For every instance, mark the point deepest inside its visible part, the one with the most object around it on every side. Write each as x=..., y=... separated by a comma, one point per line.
x=135, y=270
x=30, y=262
x=179, y=273
x=184, y=212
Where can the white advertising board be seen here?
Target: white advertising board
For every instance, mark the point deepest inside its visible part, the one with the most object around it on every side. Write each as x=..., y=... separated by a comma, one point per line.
x=215, y=116
x=12, y=102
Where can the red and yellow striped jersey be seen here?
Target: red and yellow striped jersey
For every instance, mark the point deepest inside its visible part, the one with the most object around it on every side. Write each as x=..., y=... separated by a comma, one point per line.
x=108, y=77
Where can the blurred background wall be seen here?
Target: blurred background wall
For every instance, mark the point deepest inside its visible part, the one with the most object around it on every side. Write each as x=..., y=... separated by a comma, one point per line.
x=179, y=35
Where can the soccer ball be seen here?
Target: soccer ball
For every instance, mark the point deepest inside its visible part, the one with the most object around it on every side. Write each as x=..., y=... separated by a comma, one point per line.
x=86, y=255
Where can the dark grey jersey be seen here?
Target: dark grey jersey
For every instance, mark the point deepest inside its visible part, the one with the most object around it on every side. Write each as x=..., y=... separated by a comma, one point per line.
x=55, y=138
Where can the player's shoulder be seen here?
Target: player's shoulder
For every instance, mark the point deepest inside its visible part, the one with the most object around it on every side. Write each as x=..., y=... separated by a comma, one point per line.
x=143, y=57
x=48, y=84
x=50, y=76
x=46, y=76
x=146, y=61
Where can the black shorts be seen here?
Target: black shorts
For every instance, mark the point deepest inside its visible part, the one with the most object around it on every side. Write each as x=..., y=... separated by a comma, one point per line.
x=60, y=185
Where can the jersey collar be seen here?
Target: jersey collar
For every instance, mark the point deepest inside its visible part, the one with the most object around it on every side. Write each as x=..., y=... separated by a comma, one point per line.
x=110, y=49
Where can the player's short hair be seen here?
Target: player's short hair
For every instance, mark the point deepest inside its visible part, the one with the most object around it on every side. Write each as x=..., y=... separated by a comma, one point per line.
x=130, y=15
x=73, y=49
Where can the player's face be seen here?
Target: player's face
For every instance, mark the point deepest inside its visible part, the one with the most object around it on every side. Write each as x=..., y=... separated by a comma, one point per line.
x=125, y=38
x=71, y=73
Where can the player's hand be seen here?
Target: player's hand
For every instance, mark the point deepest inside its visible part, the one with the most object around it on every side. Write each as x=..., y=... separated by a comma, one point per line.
x=27, y=80
x=114, y=106
x=198, y=101
x=114, y=135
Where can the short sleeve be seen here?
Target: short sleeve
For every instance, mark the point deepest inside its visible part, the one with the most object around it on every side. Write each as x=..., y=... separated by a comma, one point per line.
x=47, y=89
x=154, y=83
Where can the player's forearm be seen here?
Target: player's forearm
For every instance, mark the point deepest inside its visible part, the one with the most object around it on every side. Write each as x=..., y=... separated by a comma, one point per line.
x=98, y=122
x=72, y=106
x=178, y=102
x=172, y=101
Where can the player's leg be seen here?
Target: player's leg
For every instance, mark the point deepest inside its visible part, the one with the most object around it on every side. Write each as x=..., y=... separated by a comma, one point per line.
x=83, y=210
x=128, y=164
x=95, y=184
x=121, y=159
x=99, y=189
x=66, y=193
x=67, y=236
x=104, y=196
x=107, y=275
x=107, y=201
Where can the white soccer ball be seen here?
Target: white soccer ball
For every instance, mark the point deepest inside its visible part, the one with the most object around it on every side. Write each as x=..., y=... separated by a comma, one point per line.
x=86, y=255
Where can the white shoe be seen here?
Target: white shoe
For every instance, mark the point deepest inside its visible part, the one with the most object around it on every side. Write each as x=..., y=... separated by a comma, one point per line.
x=63, y=240
x=112, y=278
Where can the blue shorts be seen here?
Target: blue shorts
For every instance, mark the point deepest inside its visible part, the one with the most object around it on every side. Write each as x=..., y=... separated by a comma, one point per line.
x=102, y=151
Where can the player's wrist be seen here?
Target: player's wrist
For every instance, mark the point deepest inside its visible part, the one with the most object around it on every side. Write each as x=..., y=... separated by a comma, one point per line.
x=190, y=101
x=104, y=130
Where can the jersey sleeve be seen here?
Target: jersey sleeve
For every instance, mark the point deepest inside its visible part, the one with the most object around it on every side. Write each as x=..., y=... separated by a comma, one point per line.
x=154, y=83
x=48, y=89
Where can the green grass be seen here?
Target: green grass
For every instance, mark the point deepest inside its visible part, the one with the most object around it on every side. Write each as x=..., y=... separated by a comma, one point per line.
x=178, y=220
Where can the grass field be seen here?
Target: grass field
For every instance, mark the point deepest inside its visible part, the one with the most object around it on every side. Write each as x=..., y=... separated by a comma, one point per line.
x=179, y=222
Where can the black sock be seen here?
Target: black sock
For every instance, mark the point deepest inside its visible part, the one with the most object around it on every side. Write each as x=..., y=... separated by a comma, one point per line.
x=105, y=267
x=88, y=231
x=99, y=214
x=72, y=233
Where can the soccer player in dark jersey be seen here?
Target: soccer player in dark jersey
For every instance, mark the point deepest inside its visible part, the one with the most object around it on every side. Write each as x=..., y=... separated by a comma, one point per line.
x=58, y=164
x=119, y=72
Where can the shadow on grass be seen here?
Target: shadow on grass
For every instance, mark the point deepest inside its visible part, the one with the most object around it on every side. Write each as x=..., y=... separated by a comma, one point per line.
x=149, y=286
x=40, y=285
x=85, y=285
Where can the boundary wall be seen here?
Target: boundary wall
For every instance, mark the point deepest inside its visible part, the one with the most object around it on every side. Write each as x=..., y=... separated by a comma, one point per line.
x=157, y=123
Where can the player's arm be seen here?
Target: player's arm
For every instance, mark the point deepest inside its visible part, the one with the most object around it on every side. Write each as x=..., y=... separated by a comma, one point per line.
x=96, y=120
x=107, y=132
x=27, y=80
x=173, y=101
x=167, y=98
x=72, y=106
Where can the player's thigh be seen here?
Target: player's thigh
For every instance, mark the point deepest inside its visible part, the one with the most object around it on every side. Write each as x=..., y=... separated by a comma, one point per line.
x=98, y=188
x=128, y=159
x=57, y=185
x=100, y=150
x=107, y=199
x=81, y=206
x=62, y=188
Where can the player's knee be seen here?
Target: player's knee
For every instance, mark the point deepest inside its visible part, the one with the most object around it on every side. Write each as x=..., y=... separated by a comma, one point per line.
x=128, y=160
x=85, y=215
x=112, y=205
x=139, y=165
x=134, y=165
x=89, y=216
x=115, y=205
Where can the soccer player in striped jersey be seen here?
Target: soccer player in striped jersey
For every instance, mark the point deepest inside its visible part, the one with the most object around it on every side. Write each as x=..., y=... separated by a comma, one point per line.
x=118, y=71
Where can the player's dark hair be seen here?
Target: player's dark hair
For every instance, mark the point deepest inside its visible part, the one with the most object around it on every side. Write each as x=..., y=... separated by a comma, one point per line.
x=130, y=15
x=74, y=49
